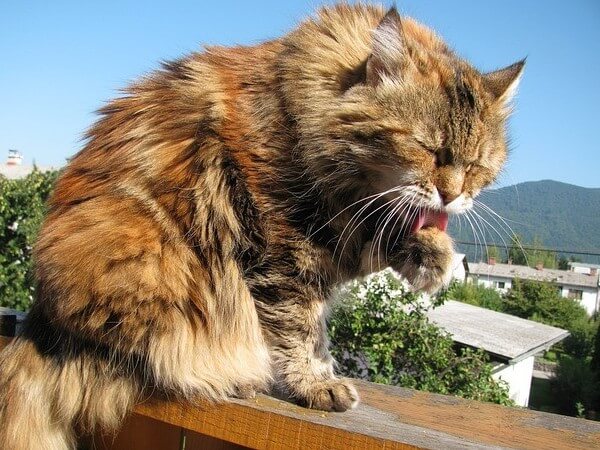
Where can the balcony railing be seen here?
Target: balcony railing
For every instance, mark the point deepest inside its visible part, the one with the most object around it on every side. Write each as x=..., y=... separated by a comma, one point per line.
x=388, y=418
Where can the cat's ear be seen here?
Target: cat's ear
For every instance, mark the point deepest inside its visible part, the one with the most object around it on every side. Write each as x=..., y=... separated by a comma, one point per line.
x=388, y=48
x=502, y=84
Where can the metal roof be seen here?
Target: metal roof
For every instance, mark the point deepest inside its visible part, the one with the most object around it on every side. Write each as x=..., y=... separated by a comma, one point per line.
x=511, y=271
x=507, y=337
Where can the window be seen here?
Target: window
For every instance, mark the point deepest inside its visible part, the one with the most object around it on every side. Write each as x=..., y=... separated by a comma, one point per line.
x=501, y=284
x=575, y=294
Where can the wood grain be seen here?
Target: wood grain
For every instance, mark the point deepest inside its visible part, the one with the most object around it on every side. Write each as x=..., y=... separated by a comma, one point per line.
x=388, y=417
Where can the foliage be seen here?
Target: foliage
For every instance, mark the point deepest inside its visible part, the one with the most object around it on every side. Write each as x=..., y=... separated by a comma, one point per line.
x=476, y=294
x=537, y=301
x=595, y=362
x=516, y=254
x=21, y=212
x=493, y=253
x=563, y=261
x=533, y=255
x=537, y=255
x=380, y=332
x=542, y=302
x=575, y=382
x=580, y=342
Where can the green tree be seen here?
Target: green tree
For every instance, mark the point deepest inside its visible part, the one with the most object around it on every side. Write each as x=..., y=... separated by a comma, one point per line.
x=534, y=254
x=575, y=382
x=563, y=261
x=543, y=303
x=380, y=332
x=21, y=213
x=595, y=362
x=538, y=255
x=476, y=294
x=516, y=254
x=493, y=253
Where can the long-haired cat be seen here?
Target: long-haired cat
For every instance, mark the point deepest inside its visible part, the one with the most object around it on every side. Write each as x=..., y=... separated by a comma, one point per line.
x=191, y=246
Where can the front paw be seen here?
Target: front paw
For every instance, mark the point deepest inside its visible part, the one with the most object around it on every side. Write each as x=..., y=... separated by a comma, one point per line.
x=426, y=259
x=245, y=391
x=335, y=394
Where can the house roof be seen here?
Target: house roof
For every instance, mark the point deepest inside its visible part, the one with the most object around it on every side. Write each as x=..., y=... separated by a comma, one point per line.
x=529, y=273
x=15, y=171
x=507, y=337
x=585, y=265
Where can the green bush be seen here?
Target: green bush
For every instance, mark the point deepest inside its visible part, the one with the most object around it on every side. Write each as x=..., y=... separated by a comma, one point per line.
x=476, y=294
x=575, y=382
x=580, y=343
x=543, y=303
x=380, y=332
x=21, y=213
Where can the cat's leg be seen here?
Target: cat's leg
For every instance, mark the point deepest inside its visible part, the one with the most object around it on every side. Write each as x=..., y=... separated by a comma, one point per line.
x=425, y=259
x=302, y=365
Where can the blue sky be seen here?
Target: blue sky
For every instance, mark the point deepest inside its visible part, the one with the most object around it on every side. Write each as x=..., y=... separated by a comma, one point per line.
x=61, y=60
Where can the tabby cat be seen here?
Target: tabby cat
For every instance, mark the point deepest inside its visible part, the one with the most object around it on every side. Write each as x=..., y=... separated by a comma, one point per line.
x=191, y=247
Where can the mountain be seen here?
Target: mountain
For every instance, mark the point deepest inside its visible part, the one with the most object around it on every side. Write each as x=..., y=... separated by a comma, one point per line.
x=561, y=216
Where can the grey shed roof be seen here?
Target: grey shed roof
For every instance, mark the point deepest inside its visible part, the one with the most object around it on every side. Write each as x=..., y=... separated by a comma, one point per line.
x=529, y=273
x=507, y=337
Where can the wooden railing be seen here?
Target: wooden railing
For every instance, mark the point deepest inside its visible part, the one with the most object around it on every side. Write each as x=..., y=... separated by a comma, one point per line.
x=387, y=418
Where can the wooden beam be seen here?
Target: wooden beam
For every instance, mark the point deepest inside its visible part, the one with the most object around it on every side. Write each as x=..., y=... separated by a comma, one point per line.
x=388, y=417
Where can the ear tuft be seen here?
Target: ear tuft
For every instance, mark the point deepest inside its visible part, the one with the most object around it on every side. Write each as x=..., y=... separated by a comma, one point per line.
x=502, y=84
x=388, y=48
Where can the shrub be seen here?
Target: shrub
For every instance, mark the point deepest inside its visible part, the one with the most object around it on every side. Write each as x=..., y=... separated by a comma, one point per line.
x=575, y=382
x=21, y=212
x=380, y=333
x=476, y=294
x=542, y=302
x=580, y=343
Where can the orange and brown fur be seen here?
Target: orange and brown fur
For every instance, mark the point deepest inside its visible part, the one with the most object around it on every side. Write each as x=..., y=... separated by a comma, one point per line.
x=190, y=248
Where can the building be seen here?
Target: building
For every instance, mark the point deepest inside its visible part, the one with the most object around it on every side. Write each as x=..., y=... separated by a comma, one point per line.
x=460, y=267
x=582, y=287
x=510, y=341
x=588, y=269
x=13, y=168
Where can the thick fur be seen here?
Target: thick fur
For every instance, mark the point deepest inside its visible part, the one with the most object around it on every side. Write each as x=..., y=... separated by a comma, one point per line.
x=190, y=248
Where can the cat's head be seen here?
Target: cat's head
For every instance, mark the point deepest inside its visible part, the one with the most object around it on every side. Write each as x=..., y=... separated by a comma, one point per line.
x=426, y=124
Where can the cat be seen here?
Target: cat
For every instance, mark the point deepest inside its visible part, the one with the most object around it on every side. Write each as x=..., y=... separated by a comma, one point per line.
x=192, y=245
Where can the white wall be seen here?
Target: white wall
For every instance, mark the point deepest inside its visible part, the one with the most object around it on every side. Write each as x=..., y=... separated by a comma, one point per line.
x=518, y=376
x=458, y=269
x=589, y=298
x=492, y=282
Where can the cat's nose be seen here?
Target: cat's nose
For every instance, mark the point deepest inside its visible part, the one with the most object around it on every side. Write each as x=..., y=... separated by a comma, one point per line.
x=448, y=197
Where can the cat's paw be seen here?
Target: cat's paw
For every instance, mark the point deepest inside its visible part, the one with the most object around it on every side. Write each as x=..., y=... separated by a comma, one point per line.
x=335, y=394
x=426, y=260
x=244, y=391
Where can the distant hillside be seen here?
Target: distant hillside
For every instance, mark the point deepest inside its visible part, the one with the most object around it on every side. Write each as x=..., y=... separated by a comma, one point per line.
x=562, y=216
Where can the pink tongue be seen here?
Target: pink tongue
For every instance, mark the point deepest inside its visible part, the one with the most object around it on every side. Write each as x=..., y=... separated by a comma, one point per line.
x=430, y=218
